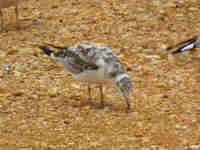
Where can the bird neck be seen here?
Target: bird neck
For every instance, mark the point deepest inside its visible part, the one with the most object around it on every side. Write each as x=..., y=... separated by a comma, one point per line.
x=121, y=76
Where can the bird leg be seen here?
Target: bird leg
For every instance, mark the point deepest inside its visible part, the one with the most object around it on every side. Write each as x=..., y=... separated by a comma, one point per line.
x=89, y=94
x=17, y=16
x=1, y=15
x=128, y=104
x=102, y=95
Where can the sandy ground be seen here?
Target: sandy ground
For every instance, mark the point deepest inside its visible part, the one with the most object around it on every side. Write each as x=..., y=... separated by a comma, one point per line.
x=43, y=108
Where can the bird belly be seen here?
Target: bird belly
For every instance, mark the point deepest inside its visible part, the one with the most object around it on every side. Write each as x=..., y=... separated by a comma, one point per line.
x=95, y=76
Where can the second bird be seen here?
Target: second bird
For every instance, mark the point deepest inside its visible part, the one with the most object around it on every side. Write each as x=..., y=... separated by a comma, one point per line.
x=186, y=45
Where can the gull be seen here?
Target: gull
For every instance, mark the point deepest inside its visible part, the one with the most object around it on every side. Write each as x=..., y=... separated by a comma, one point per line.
x=93, y=63
x=7, y=4
x=186, y=45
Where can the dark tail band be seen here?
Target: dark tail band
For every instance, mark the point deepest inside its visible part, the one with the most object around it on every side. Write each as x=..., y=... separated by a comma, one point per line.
x=46, y=50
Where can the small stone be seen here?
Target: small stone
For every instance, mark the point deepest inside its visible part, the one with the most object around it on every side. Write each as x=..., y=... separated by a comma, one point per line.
x=171, y=57
x=44, y=74
x=11, y=52
x=2, y=54
x=162, y=148
x=185, y=141
x=134, y=114
x=44, y=145
x=149, y=51
x=76, y=86
x=163, y=46
x=3, y=88
x=195, y=147
x=193, y=8
x=18, y=93
x=156, y=2
x=1, y=73
x=18, y=74
x=151, y=68
x=52, y=92
x=172, y=82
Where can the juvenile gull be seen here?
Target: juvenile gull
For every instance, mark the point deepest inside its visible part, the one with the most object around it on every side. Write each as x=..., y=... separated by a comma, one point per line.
x=186, y=45
x=93, y=63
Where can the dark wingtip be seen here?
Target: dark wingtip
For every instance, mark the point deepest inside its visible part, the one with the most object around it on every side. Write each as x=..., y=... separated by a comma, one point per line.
x=169, y=48
x=177, y=51
x=46, y=50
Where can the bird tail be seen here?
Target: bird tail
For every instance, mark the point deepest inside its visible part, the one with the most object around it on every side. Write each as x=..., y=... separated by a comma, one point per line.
x=46, y=50
x=183, y=46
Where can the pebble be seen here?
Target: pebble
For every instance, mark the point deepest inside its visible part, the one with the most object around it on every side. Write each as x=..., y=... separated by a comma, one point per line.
x=194, y=9
x=149, y=51
x=17, y=74
x=53, y=92
x=171, y=57
x=18, y=93
x=195, y=147
x=178, y=126
x=76, y=86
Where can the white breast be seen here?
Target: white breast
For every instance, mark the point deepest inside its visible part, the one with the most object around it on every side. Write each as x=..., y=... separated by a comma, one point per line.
x=95, y=76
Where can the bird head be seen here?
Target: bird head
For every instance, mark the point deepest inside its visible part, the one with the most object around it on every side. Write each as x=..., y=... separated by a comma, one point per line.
x=124, y=83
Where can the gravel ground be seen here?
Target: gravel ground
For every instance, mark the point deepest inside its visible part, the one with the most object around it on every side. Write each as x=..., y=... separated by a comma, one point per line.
x=43, y=108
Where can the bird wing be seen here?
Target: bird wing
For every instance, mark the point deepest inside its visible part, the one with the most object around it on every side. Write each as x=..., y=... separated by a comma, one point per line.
x=73, y=58
x=101, y=56
x=86, y=57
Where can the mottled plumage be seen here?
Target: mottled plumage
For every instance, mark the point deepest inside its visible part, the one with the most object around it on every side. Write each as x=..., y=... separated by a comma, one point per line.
x=186, y=45
x=93, y=63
